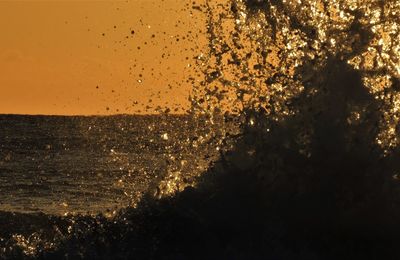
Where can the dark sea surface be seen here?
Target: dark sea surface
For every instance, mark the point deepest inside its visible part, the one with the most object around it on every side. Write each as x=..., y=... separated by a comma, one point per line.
x=56, y=164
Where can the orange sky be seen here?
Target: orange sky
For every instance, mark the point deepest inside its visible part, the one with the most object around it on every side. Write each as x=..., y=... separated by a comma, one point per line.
x=54, y=58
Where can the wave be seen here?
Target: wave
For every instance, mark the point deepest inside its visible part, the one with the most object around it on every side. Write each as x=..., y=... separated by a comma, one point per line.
x=311, y=171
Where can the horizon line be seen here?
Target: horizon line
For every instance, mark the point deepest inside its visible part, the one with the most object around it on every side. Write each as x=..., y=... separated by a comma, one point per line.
x=93, y=115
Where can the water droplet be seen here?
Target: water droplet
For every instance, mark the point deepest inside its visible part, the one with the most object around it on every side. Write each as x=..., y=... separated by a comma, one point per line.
x=164, y=136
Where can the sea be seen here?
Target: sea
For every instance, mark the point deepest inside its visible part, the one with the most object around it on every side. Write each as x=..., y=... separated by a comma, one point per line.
x=86, y=165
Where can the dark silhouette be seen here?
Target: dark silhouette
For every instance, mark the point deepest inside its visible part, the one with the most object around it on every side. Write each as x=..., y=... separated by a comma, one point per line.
x=338, y=201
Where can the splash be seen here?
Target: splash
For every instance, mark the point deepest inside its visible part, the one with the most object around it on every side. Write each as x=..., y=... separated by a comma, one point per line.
x=291, y=92
x=265, y=56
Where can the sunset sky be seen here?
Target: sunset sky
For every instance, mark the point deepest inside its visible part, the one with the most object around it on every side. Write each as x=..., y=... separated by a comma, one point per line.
x=96, y=57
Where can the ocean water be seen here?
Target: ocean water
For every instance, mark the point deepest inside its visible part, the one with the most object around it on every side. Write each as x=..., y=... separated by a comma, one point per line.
x=88, y=165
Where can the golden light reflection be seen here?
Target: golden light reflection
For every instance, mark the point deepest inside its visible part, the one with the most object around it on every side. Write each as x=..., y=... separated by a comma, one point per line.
x=275, y=52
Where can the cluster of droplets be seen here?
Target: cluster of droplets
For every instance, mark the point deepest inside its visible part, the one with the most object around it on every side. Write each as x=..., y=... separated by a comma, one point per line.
x=264, y=54
x=167, y=154
x=30, y=245
x=26, y=245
